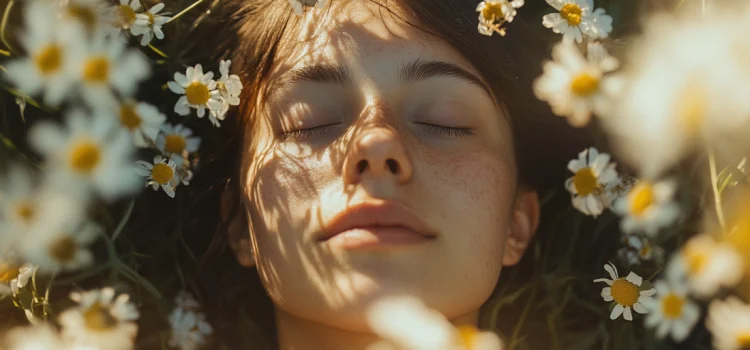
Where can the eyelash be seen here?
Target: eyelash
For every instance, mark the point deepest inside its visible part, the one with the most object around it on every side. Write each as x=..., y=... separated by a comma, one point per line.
x=319, y=130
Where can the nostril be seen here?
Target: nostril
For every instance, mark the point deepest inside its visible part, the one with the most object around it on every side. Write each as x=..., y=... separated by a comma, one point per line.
x=392, y=165
x=361, y=166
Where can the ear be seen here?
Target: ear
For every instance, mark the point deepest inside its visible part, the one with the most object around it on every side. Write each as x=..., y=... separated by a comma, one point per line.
x=521, y=230
x=233, y=216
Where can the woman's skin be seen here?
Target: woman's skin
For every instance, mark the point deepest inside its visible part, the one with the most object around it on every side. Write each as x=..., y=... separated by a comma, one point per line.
x=376, y=81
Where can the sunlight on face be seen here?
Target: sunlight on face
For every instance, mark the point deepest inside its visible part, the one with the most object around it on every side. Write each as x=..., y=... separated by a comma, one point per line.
x=365, y=109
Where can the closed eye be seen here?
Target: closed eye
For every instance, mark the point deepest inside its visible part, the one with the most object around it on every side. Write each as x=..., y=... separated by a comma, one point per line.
x=447, y=130
x=305, y=133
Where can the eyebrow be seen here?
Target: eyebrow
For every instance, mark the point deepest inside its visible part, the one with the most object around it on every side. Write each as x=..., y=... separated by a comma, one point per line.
x=319, y=73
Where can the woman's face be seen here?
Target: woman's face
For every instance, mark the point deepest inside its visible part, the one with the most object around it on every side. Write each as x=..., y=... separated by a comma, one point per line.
x=371, y=118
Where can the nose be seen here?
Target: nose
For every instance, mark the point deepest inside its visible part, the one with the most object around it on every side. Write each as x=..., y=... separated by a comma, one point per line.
x=381, y=153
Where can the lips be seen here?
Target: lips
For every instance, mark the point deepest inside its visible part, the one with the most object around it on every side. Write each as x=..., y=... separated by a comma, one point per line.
x=377, y=222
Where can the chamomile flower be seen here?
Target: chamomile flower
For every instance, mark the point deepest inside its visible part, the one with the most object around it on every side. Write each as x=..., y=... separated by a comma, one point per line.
x=576, y=18
x=615, y=190
x=161, y=173
x=46, y=68
x=37, y=337
x=106, y=66
x=298, y=5
x=648, y=207
x=90, y=15
x=142, y=120
x=19, y=203
x=94, y=153
x=639, y=249
x=573, y=84
x=707, y=265
x=198, y=90
x=593, y=171
x=229, y=87
x=189, y=325
x=729, y=323
x=671, y=311
x=493, y=14
x=148, y=24
x=127, y=11
x=626, y=292
x=14, y=277
x=62, y=247
x=177, y=142
x=100, y=320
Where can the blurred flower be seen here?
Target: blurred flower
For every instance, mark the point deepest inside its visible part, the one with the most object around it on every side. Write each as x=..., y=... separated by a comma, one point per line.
x=62, y=246
x=229, y=87
x=176, y=142
x=406, y=323
x=100, y=320
x=49, y=47
x=592, y=172
x=626, y=292
x=127, y=11
x=149, y=24
x=573, y=85
x=189, y=326
x=494, y=13
x=106, y=66
x=90, y=15
x=92, y=152
x=19, y=203
x=648, y=207
x=14, y=277
x=198, y=90
x=729, y=323
x=575, y=18
x=671, y=311
x=142, y=120
x=707, y=265
x=639, y=249
x=160, y=173
x=617, y=189
x=297, y=5
x=38, y=337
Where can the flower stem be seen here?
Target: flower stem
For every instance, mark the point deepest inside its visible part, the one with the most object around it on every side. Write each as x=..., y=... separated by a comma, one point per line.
x=124, y=220
x=184, y=11
x=715, y=188
x=158, y=52
x=4, y=24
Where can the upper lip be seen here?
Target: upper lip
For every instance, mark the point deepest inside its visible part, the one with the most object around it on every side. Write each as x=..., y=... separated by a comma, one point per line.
x=376, y=214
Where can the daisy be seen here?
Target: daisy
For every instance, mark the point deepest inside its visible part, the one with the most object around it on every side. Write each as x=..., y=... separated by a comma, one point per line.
x=671, y=311
x=107, y=66
x=639, y=249
x=626, y=292
x=297, y=5
x=573, y=84
x=229, y=87
x=127, y=11
x=189, y=326
x=62, y=247
x=494, y=13
x=161, y=173
x=19, y=203
x=37, y=337
x=100, y=320
x=90, y=15
x=142, y=120
x=729, y=323
x=576, y=18
x=177, y=142
x=593, y=171
x=49, y=47
x=149, y=24
x=648, y=207
x=93, y=153
x=707, y=265
x=406, y=323
x=14, y=277
x=198, y=90
x=617, y=189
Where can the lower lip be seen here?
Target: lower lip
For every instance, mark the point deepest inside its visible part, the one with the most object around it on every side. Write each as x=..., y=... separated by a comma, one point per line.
x=377, y=237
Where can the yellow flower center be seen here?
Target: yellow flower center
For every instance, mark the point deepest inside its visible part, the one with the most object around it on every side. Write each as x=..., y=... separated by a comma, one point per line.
x=585, y=181
x=49, y=59
x=174, y=144
x=151, y=19
x=127, y=15
x=492, y=11
x=129, y=117
x=84, y=156
x=692, y=107
x=645, y=250
x=197, y=93
x=162, y=173
x=98, y=318
x=84, y=14
x=63, y=249
x=641, y=199
x=743, y=340
x=468, y=335
x=25, y=211
x=96, y=70
x=696, y=259
x=571, y=13
x=584, y=85
x=671, y=306
x=625, y=292
x=8, y=272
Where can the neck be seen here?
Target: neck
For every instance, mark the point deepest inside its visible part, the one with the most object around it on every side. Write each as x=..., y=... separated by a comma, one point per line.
x=296, y=333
